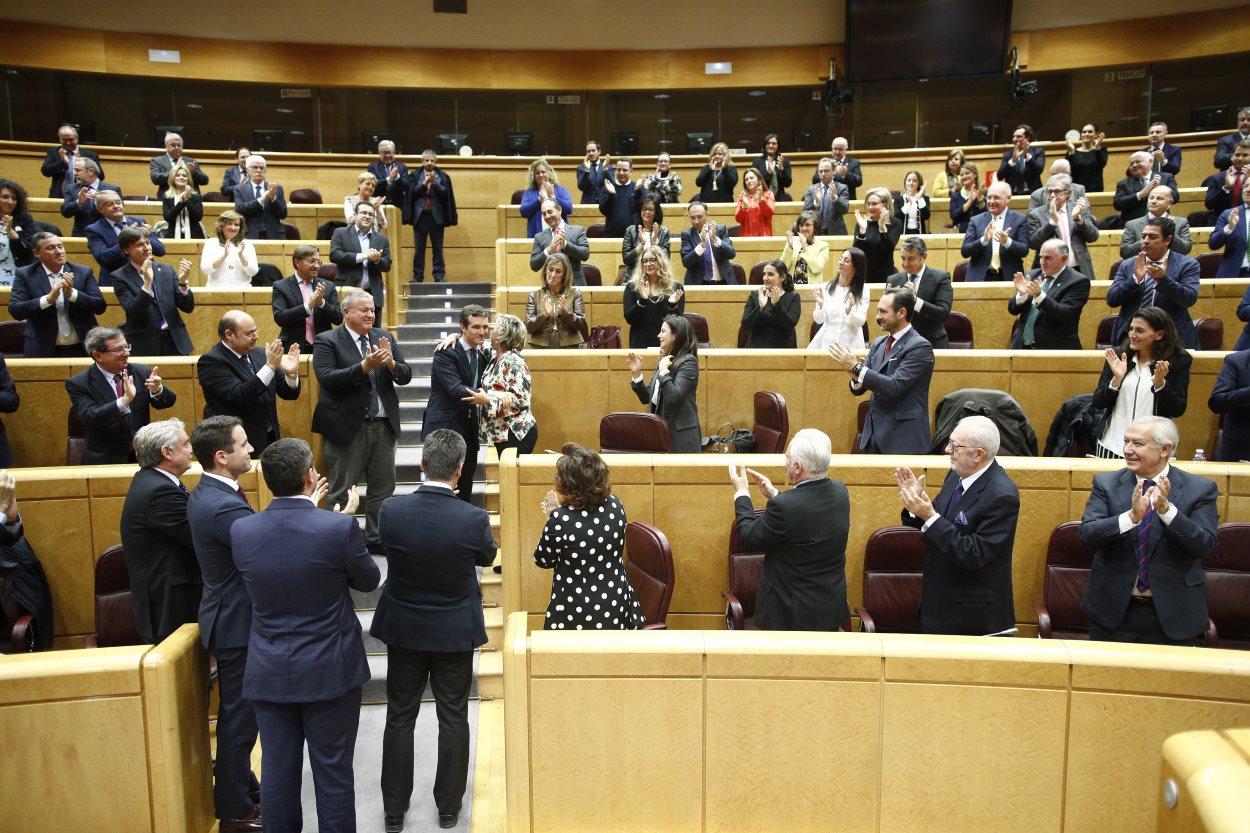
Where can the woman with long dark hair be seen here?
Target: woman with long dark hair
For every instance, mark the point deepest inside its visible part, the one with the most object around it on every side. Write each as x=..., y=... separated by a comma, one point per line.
x=648, y=231
x=842, y=304
x=671, y=391
x=774, y=168
x=772, y=311
x=17, y=227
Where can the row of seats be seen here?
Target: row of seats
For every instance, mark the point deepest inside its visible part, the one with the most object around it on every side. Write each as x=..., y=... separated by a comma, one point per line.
x=631, y=432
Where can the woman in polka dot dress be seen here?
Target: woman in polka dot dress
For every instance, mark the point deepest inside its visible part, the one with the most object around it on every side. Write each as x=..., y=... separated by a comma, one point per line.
x=583, y=542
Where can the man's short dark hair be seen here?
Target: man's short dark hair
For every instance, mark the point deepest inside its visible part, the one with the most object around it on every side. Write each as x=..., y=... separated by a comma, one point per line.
x=98, y=337
x=442, y=453
x=901, y=300
x=1244, y=143
x=129, y=236
x=37, y=240
x=472, y=311
x=1165, y=225
x=915, y=244
x=210, y=435
x=285, y=464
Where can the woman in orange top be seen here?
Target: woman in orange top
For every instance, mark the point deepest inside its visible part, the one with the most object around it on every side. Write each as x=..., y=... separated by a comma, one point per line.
x=755, y=206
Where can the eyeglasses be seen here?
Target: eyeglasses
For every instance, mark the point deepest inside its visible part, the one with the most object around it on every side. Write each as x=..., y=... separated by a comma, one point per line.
x=119, y=349
x=650, y=260
x=954, y=446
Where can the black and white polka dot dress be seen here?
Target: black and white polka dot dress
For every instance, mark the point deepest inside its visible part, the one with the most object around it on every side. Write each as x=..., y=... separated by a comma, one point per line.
x=589, y=590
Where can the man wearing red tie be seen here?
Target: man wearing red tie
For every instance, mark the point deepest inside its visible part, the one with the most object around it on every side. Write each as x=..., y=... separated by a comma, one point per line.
x=304, y=306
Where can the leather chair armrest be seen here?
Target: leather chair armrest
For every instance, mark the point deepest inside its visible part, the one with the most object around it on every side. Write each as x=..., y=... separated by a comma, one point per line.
x=734, y=617
x=866, y=623
x=656, y=626
x=22, y=638
x=1043, y=621
x=1211, y=638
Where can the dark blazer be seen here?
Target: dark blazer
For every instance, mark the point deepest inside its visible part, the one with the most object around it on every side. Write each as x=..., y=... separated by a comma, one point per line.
x=938, y=297
x=84, y=213
x=266, y=218
x=661, y=237
x=232, y=177
x=193, y=206
x=619, y=209
x=392, y=191
x=854, y=176
x=803, y=534
x=1010, y=256
x=160, y=556
x=143, y=320
x=1171, y=159
x=31, y=285
x=644, y=315
x=678, y=406
x=158, y=172
x=1132, y=206
x=926, y=211
x=1217, y=198
x=576, y=246
x=344, y=246
x=967, y=560
x=590, y=180
x=1081, y=234
x=1175, y=295
x=772, y=326
x=1171, y=402
x=290, y=315
x=1177, y=580
x=694, y=263
x=9, y=402
x=879, y=248
x=344, y=395
x=1058, y=316
x=1130, y=242
x=102, y=241
x=58, y=171
x=109, y=431
x=230, y=389
x=1234, y=245
x=785, y=177
x=898, y=414
x=432, y=600
x=297, y=563
x=1231, y=398
x=1224, y=148
x=1243, y=314
x=714, y=187
x=831, y=211
x=1024, y=176
x=451, y=376
x=412, y=193
x=225, y=610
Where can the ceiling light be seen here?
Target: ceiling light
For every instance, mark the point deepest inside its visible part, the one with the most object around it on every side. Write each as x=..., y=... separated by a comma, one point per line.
x=756, y=93
x=718, y=68
x=195, y=106
x=666, y=141
x=285, y=110
x=664, y=121
x=749, y=119
x=661, y=96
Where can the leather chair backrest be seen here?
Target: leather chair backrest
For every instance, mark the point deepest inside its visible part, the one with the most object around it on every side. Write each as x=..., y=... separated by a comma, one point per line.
x=1068, y=563
x=699, y=323
x=592, y=274
x=215, y=196
x=327, y=272
x=1228, y=582
x=739, y=274
x=757, y=273
x=1105, y=328
x=1210, y=333
x=114, y=606
x=734, y=231
x=606, y=337
x=1208, y=265
x=633, y=433
x=959, y=330
x=649, y=568
x=13, y=338
x=960, y=272
x=596, y=230
x=305, y=196
x=326, y=230
x=76, y=439
x=861, y=416
x=290, y=230
x=517, y=196
x=772, y=423
x=893, y=572
x=744, y=570
x=1115, y=267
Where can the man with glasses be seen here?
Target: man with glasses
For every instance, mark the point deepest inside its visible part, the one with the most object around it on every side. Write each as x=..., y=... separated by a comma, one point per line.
x=362, y=254
x=113, y=397
x=968, y=532
x=303, y=305
x=1064, y=218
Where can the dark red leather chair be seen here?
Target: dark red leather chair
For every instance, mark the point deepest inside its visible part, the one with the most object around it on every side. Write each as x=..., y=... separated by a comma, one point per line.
x=328, y=272
x=215, y=196
x=1068, y=563
x=13, y=338
x=739, y=274
x=19, y=635
x=597, y=230
x=772, y=423
x=960, y=272
x=1228, y=588
x=744, y=580
x=592, y=275
x=633, y=433
x=1210, y=333
x=1105, y=328
x=893, y=572
x=517, y=196
x=606, y=337
x=734, y=231
x=699, y=323
x=76, y=439
x=757, y=274
x=1208, y=265
x=649, y=568
x=1115, y=267
x=861, y=415
x=291, y=232
x=114, y=607
x=305, y=196
x=959, y=331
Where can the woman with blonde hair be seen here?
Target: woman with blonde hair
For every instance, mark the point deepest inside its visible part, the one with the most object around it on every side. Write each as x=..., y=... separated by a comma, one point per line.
x=877, y=234
x=804, y=255
x=229, y=258
x=182, y=206
x=507, y=420
x=947, y=180
x=555, y=313
x=651, y=295
x=968, y=200
x=755, y=206
x=366, y=185
x=541, y=184
x=718, y=178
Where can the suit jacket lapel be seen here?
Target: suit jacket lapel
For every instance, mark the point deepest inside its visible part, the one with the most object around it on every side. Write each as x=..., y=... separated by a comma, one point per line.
x=103, y=385
x=1174, y=497
x=972, y=496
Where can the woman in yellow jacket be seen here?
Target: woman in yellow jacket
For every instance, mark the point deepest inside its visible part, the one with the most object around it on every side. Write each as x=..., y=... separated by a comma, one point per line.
x=948, y=179
x=805, y=256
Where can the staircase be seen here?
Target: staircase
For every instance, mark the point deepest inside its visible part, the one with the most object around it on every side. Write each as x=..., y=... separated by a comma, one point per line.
x=432, y=312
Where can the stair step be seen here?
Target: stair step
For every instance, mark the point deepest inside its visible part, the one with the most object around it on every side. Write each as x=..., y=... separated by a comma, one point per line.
x=429, y=289
x=490, y=675
x=492, y=590
x=368, y=601
x=494, y=628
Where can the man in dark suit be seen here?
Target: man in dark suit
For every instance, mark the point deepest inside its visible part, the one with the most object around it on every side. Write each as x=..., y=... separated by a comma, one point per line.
x=1151, y=526
x=58, y=163
x=362, y=255
x=1022, y=166
x=429, y=206
x=1224, y=146
x=79, y=195
x=898, y=370
x=1132, y=192
x=113, y=398
x=967, y=562
x=153, y=298
x=618, y=201
x=304, y=306
x=1157, y=205
x=306, y=660
x=164, y=575
x=1066, y=219
x=158, y=170
x=235, y=173
x=242, y=380
x=1166, y=157
x=1229, y=234
x=1224, y=186
x=706, y=250
x=1231, y=399
x=1157, y=277
x=430, y=617
x=9, y=402
x=558, y=236
x=592, y=172
x=997, y=239
x=803, y=535
x=1038, y=198
x=102, y=235
x=1048, y=302
x=262, y=203
x=457, y=372
x=58, y=301
x=391, y=173
x=931, y=287
x=221, y=447
x=829, y=199
x=358, y=366
x=846, y=170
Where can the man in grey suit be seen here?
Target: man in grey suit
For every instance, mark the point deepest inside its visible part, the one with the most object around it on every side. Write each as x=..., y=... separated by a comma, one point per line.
x=898, y=370
x=362, y=255
x=1066, y=219
x=163, y=164
x=558, y=236
x=1157, y=205
x=932, y=288
x=1061, y=166
x=829, y=199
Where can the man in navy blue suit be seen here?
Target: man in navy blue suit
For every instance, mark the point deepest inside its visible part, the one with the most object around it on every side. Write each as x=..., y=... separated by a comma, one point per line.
x=78, y=199
x=261, y=202
x=430, y=617
x=1157, y=277
x=1231, y=398
x=1224, y=147
x=706, y=250
x=1230, y=235
x=428, y=204
x=221, y=447
x=58, y=163
x=1166, y=158
x=997, y=239
x=102, y=235
x=455, y=374
x=306, y=659
x=1022, y=166
x=58, y=301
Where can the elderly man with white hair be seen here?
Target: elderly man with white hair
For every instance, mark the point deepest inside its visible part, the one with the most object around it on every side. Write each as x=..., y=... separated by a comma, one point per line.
x=261, y=202
x=969, y=532
x=163, y=164
x=1151, y=525
x=846, y=169
x=803, y=534
x=1133, y=192
x=1060, y=166
x=391, y=173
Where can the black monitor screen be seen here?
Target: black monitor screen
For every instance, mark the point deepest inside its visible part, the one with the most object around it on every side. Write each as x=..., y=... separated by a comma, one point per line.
x=889, y=40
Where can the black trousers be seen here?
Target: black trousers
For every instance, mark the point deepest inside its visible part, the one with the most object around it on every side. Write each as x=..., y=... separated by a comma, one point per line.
x=236, y=735
x=69, y=351
x=465, y=486
x=1140, y=625
x=525, y=445
x=424, y=228
x=450, y=675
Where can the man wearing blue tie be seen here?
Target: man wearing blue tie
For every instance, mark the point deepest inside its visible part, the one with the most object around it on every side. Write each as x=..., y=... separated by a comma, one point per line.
x=829, y=199
x=1157, y=277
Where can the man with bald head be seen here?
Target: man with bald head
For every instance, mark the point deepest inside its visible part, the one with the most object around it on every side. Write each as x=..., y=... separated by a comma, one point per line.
x=997, y=239
x=240, y=379
x=58, y=164
x=1132, y=192
x=163, y=164
x=1157, y=205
